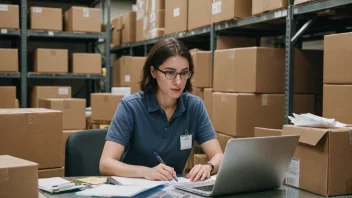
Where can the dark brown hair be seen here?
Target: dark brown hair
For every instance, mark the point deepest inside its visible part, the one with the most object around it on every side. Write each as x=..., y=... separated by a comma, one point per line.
x=161, y=51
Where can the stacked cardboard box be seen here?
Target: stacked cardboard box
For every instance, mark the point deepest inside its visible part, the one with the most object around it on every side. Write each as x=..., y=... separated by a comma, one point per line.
x=155, y=13
x=263, y=132
x=141, y=17
x=8, y=97
x=116, y=34
x=199, y=17
x=34, y=135
x=83, y=19
x=225, y=10
x=9, y=16
x=322, y=161
x=74, y=111
x=19, y=178
x=43, y=92
x=104, y=106
x=176, y=16
x=255, y=78
x=9, y=60
x=49, y=19
x=229, y=42
x=337, y=77
x=127, y=72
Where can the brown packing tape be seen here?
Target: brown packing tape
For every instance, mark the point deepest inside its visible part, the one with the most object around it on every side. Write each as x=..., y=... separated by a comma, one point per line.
x=31, y=118
x=350, y=137
x=4, y=174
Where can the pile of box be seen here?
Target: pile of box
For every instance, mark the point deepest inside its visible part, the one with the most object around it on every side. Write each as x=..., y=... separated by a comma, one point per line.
x=77, y=19
x=156, y=18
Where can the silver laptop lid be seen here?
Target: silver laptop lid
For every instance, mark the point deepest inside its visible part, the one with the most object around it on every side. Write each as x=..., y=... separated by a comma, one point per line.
x=254, y=164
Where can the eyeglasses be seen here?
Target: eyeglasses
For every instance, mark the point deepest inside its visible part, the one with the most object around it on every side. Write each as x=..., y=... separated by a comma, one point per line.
x=170, y=75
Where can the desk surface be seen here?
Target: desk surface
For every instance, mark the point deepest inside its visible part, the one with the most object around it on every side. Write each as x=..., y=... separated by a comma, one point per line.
x=282, y=192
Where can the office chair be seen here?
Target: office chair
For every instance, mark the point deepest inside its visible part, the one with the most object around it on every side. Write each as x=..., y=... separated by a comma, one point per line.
x=83, y=152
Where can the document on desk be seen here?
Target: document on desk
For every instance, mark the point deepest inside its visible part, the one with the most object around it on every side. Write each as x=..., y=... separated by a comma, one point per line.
x=56, y=184
x=107, y=190
x=138, y=181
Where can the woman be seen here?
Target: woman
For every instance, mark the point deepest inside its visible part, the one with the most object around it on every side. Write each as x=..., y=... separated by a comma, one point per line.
x=162, y=119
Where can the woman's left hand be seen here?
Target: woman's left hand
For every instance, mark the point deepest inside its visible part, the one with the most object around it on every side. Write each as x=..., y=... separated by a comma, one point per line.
x=199, y=172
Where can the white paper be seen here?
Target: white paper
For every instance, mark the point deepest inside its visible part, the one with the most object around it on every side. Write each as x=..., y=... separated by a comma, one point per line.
x=153, y=5
x=50, y=182
x=85, y=12
x=292, y=175
x=310, y=120
x=4, y=7
x=138, y=181
x=51, y=33
x=216, y=7
x=37, y=10
x=3, y=31
x=106, y=190
x=63, y=91
x=185, y=142
x=152, y=17
x=176, y=12
x=127, y=78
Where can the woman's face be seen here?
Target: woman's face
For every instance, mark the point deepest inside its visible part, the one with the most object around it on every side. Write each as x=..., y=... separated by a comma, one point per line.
x=169, y=86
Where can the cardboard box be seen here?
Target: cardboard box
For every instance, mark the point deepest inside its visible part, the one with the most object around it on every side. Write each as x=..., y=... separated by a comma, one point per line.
x=157, y=19
x=199, y=17
x=9, y=16
x=262, y=70
x=48, y=173
x=34, y=135
x=74, y=111
x=116, y=33
x=154, y=5
x=51, y=60
x=228, y=42
x=104, y=106
x=17, y=103
x=200, y=159
x=263, y=132
x=207, y=98
x=237, y=114
x=176, y=16
x=139, y=30
x=46, y=19
x=337, y=103
x=9, y=60
x=129, y=27
x=83, y=19
x=19, y=178
x=127, y=71
x=43, y=92
x=86, y=63
x=261, y=6
x=297, y=2
x=322, y=161
x=225, y=10
x=337, y=59
x=155, y=33
x=203, y=70
x=223, y=139
x=198, y=92
x=8, y=97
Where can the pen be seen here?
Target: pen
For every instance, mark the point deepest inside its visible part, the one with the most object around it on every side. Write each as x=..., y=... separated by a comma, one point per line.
x=161, y=161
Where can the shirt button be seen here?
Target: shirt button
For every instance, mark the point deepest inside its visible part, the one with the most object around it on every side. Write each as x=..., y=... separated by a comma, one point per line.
x=166, y=129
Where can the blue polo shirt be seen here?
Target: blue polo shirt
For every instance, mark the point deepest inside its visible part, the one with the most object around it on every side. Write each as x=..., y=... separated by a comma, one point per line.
x=142, y=127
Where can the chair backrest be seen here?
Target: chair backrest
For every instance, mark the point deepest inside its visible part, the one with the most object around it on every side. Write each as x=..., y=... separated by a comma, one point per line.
x=83, y=152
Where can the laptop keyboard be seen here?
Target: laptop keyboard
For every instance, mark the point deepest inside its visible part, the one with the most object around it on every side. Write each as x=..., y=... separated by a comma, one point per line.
x=207, y=188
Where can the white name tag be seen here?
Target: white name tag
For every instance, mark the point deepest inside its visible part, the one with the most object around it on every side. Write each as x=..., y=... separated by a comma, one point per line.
x=186, y=142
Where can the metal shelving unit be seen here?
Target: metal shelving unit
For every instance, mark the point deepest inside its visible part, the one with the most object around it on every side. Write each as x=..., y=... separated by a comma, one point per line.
x=24, y=35
x=289, y=24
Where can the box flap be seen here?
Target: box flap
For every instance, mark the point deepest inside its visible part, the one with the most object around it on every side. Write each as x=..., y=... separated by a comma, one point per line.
x=308, y=135
x=7, y=161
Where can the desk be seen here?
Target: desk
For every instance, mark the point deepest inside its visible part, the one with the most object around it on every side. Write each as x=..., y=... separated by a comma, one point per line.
x=282, y=192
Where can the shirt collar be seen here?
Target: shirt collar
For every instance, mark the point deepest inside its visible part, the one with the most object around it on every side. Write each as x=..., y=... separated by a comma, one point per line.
x=153, y=105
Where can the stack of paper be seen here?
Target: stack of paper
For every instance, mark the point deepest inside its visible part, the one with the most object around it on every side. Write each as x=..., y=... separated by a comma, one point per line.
x=56, y=184
x=107, y=190
x=310, y=120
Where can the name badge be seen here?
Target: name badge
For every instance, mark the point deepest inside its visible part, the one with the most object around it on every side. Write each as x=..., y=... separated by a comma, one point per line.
x=186, y=142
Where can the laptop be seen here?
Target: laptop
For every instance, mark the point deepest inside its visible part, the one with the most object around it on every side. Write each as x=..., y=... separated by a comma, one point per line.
x=248, y=165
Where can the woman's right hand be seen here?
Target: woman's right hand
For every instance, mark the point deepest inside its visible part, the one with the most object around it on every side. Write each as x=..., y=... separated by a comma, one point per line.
x=160, y=172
